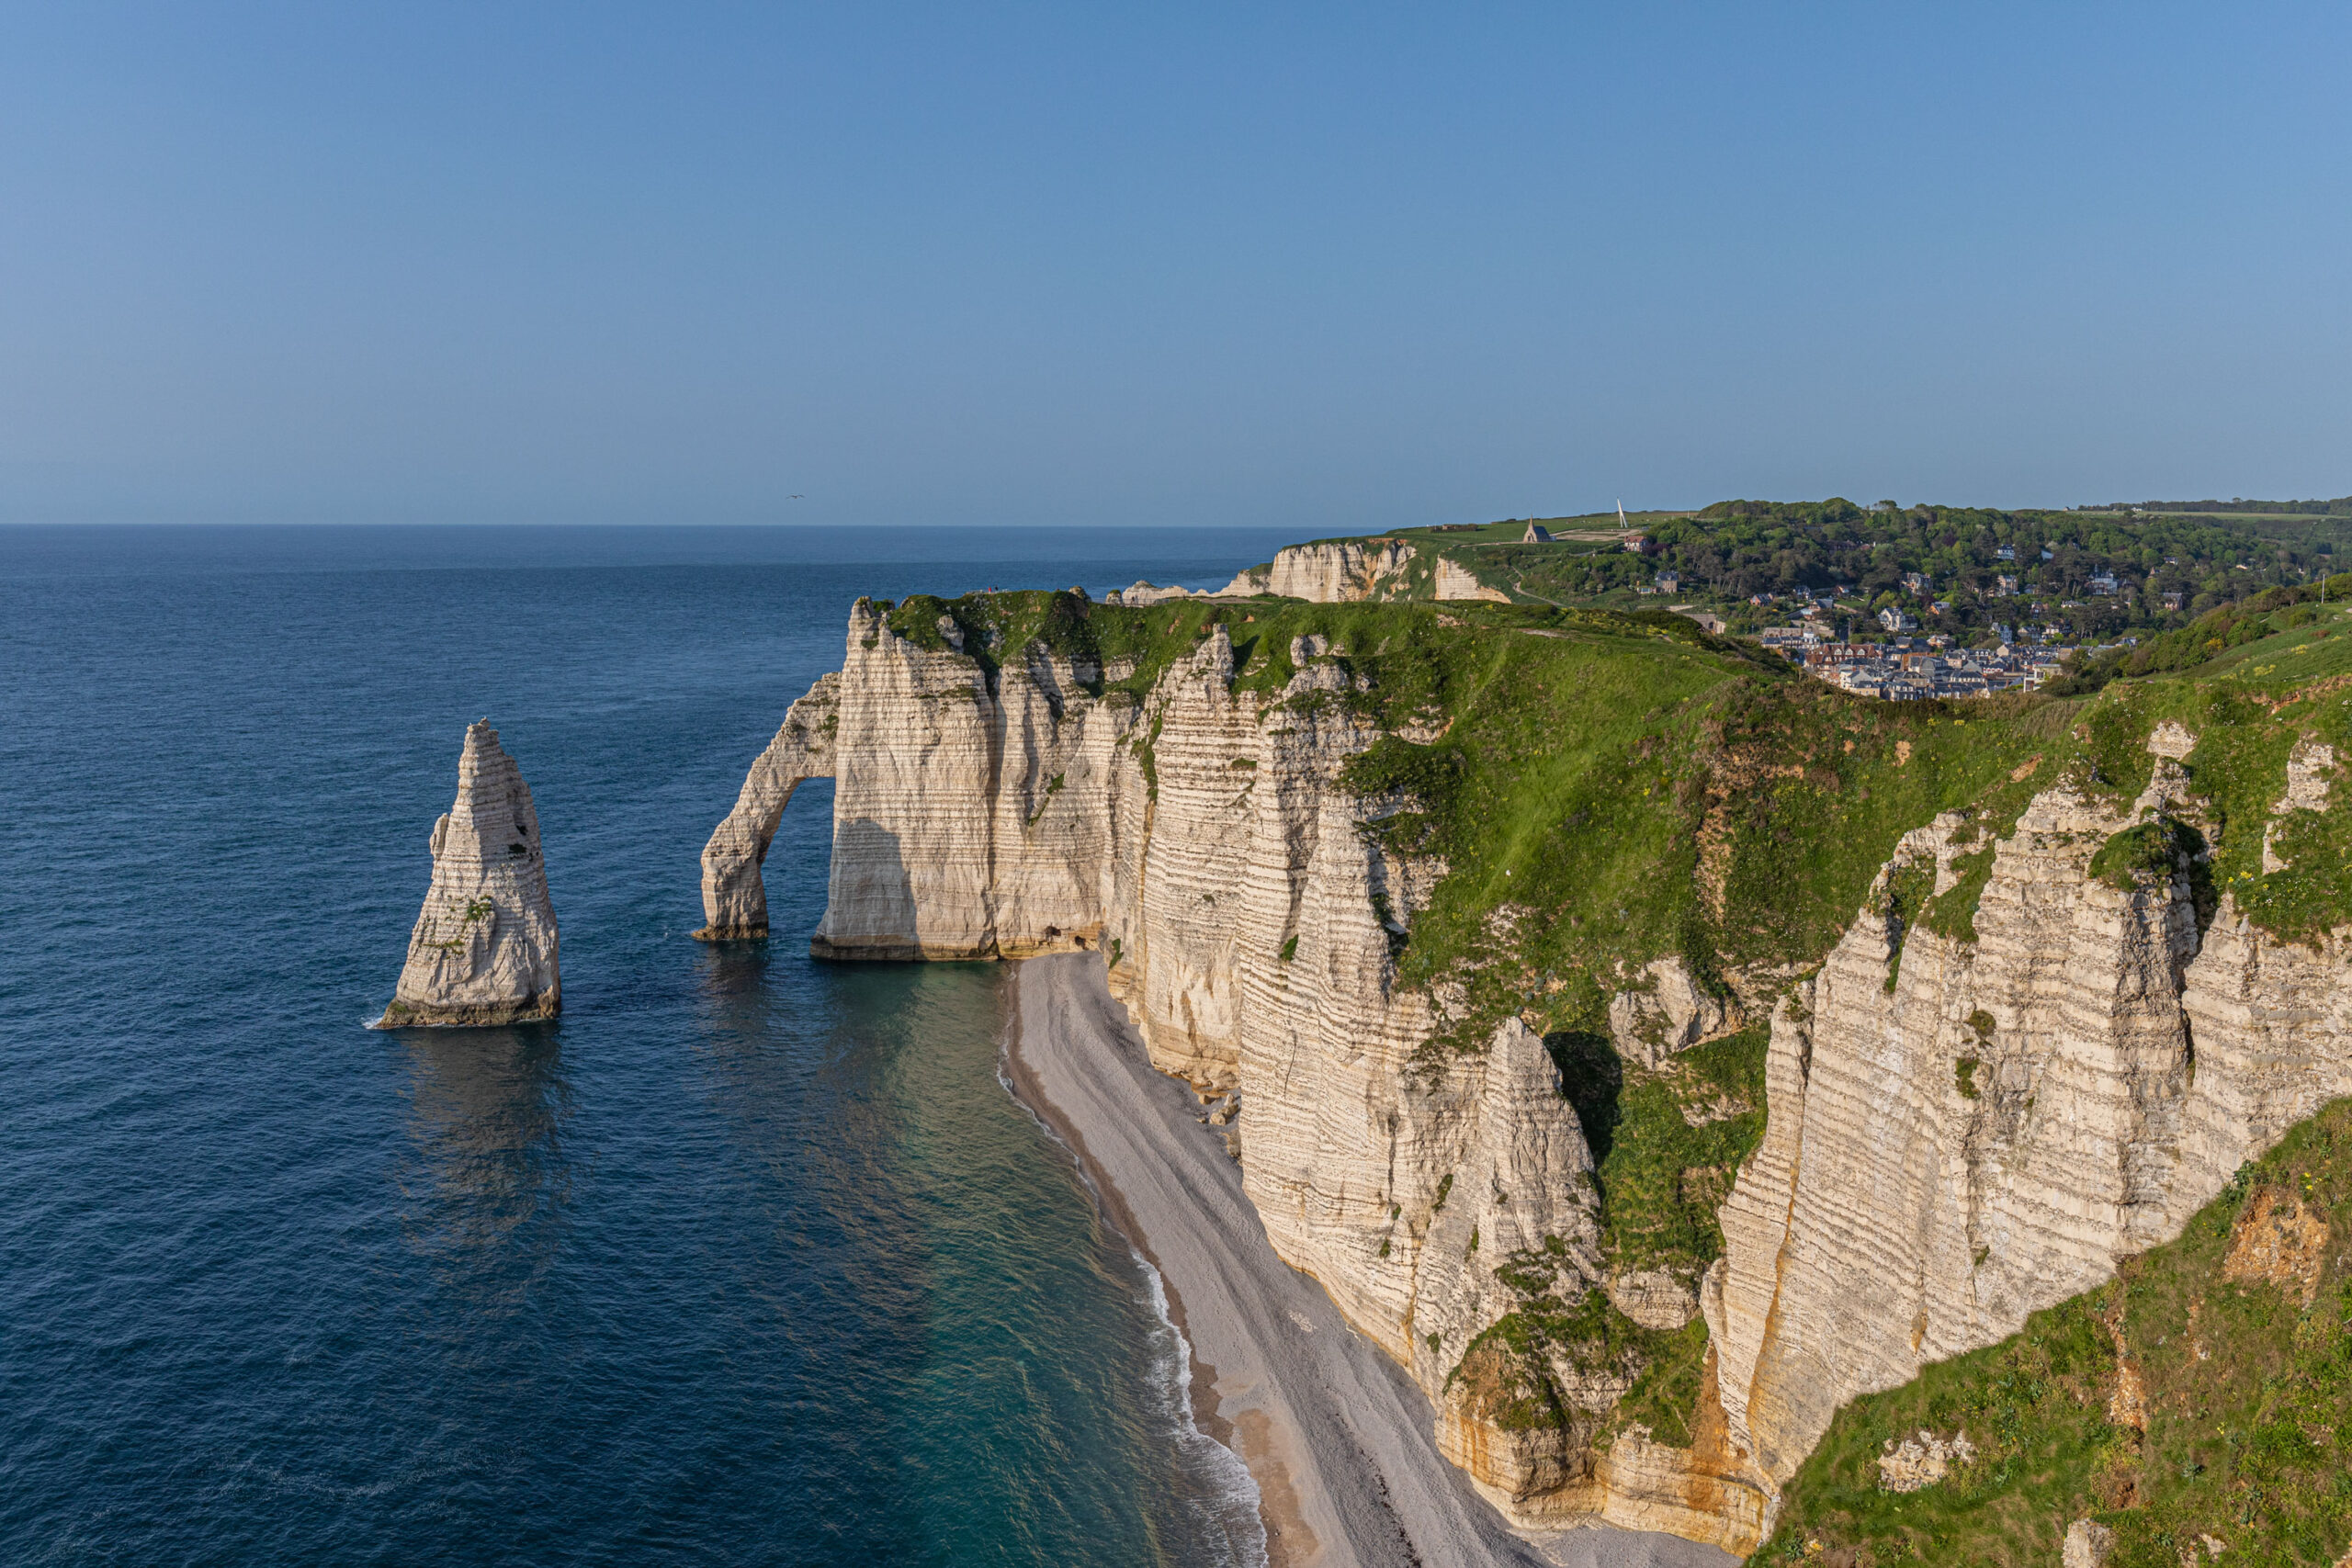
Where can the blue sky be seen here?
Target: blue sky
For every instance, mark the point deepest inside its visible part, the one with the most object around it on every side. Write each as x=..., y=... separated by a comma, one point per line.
x=1337, y=267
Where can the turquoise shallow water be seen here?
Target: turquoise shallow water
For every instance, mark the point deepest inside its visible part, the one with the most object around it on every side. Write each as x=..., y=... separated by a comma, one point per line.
x=749, y=1259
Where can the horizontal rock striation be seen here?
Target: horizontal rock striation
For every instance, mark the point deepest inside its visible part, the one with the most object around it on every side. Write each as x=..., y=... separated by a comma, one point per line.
x=1347, y=570
x=1196, y=835
x=1451, y=580
x=735, y=901
x=1962, y=1128
x=968, y=802
x=1338, y=572
x=483, y=950
x=1964, y=1133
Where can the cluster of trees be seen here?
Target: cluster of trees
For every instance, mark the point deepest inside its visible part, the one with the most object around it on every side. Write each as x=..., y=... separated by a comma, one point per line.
x=2183, y=648
x=2340, y=507
x=1735, y=549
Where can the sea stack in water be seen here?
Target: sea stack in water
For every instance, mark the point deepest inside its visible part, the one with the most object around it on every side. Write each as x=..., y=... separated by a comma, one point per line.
x=484, y=948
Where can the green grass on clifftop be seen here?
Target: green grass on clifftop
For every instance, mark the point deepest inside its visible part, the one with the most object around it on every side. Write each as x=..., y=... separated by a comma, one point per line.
x=2248, y=1390
x=1607, y=789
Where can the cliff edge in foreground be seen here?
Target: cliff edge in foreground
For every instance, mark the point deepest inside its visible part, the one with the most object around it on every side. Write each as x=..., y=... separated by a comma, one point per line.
x=483, y=951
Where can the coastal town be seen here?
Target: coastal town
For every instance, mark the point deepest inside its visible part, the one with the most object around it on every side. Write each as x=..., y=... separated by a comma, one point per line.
x=1907, y=668
x=1900, y=603
x=1892, y=659
x=1901, y=665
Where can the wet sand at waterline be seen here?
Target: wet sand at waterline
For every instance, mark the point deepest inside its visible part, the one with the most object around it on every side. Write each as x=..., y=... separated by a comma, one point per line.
x=1338, y=1439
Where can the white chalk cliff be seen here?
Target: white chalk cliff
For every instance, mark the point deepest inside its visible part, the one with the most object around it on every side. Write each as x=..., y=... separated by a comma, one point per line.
x=1346, y=570
x=2001, y=1123
x=483, y=951
x=1451, y=580
x=1195, y=837
x=1985, y=1135
x=734, y=896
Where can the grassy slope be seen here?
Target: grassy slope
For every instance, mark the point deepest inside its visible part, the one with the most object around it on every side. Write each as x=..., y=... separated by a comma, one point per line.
x=1610, y=788
x=2247, y=1395
x=2242, y=1444
x=1583, y=757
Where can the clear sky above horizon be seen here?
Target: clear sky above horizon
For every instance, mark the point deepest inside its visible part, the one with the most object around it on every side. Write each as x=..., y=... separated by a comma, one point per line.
x=1337, y=267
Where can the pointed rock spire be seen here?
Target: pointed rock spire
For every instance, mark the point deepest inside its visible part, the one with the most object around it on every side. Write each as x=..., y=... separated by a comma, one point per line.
x=484, y=948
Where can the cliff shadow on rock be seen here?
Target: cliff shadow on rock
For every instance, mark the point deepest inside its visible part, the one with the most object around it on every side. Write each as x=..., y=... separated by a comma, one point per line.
x=1347, y=864
x=1592, y=1076
x=872, y=896
x=969, y=767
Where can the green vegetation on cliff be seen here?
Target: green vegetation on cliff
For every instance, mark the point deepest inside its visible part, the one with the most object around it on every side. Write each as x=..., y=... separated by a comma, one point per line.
x=2205, y=1393
x=1608, y=788
x=1665, y=1145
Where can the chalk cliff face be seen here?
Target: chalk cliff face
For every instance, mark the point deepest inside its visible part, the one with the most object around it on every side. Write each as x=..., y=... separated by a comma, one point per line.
x=734, y=896
x=1346, y=570
x=1983, y=1130
x=1195, y=837
x=1454, y=580
x=1332, y=573
x=969, y=806
x=1960, y=1132
x=483, y=951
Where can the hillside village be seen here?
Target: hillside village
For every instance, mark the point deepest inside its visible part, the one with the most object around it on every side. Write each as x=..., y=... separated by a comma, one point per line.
x=1912, y=603
x=1906, y=668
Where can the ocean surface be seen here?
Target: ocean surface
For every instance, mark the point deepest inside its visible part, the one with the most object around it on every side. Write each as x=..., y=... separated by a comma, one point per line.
x=749, y=1259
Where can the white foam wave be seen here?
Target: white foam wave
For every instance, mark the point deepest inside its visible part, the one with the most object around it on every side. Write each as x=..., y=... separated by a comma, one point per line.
x=1228, y=1514
x=1230, y=1510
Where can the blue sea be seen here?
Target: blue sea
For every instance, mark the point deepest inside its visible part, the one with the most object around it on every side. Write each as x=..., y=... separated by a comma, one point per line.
x=748, y=1259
